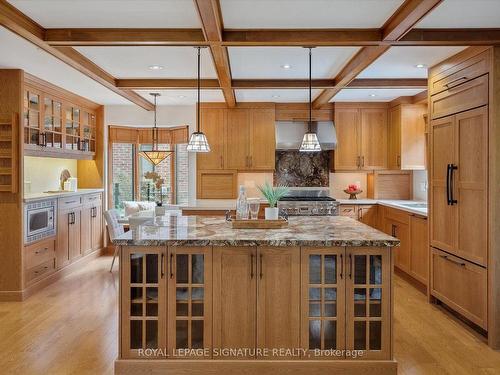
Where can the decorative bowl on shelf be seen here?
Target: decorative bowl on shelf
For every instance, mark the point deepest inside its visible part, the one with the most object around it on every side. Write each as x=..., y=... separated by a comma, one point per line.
x=353, y=193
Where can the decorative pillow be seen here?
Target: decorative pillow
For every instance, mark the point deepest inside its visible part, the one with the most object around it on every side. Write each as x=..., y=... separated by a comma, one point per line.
x=130, y=207
x=146, y=206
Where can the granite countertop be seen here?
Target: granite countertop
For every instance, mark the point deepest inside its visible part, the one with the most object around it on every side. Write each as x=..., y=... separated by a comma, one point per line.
x=29, y=197
x=176, y=230
x=213, y=204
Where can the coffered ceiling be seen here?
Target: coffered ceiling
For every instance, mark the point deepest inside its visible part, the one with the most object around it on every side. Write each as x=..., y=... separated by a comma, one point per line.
x=124, y=49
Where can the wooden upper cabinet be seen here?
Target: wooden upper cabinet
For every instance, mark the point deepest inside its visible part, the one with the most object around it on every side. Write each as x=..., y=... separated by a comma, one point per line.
x=406, y=137
x=238, y=136
x=263, y=140
x=347, y=127
x=373, y=144
x=213, y=124
x=362, y=138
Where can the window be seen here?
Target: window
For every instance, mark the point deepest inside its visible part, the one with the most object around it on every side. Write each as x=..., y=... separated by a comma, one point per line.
x=129, y=180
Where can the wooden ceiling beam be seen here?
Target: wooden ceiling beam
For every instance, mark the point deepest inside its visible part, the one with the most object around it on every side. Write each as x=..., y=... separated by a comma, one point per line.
x=26, y=28
x=242, y=84
x=451, y=37
x=212, y=26
x=349, y=72
x=300, y=37
x=407, y=16
x=121, y=37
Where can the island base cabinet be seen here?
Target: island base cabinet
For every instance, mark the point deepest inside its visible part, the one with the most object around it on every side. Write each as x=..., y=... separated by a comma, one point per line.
x=278, y=298
x=368, y=302
x=234, y=298
x=143, y=298
x=323, y=301
x=189, y=301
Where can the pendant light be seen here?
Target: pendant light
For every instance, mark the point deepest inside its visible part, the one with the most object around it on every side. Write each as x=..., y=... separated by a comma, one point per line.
x=155, y=156
x=310, y=141
x=198, y=141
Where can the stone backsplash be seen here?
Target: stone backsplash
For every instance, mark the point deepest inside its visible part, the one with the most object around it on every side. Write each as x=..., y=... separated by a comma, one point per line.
x=302, y=169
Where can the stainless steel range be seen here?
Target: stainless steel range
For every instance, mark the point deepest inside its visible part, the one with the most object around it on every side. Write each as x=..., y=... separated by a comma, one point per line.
x=308, y=202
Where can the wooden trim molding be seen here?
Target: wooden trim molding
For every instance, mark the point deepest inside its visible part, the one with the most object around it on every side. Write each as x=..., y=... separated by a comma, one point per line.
x=129, y=134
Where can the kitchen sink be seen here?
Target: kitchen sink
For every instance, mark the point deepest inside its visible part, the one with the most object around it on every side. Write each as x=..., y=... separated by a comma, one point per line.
x=414, y=205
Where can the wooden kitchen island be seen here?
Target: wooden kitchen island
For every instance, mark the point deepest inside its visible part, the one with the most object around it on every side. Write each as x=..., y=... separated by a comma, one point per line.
x=198, y=297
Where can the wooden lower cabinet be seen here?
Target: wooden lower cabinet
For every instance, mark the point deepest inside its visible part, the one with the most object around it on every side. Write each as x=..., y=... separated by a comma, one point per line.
x=189, y=308
x=323, y=301
x=91, y=228
x=68, y=236
x=278, y=297
x=143, y=300
x=461, y=285
x=368, y=214
x=368, y=301
x=234, y=298
x=419, y=248
x=402, y=253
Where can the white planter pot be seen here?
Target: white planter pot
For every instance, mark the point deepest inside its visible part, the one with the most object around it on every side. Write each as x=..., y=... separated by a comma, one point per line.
x=271, y=213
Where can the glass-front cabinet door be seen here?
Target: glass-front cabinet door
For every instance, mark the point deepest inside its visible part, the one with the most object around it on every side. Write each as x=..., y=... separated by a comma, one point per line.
x=52, y=123
x=368, y=300
x=32, y=110
x=323, y=301
x=189, y=299
x=143, y=301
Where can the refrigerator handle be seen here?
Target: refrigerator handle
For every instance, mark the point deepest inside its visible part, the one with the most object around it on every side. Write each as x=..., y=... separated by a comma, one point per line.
x=452, y=168
x=448, y=174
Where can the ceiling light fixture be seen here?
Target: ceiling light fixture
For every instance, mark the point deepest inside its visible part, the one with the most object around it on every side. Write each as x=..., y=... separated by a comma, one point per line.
x=198, y=141
x=373, y=95
x=310, y=141
x=155, y=67
x=155, y=156
x=276, y=96
x=286, y=66
x=420, y=66
x=181, y=96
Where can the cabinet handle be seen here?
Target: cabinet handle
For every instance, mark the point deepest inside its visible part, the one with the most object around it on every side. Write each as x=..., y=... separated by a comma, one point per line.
x=68, y=202
x=350, y=266
x=393, y=228
x=453, y=201
x=221, y=162
x=399, y=161
x=251, y=161
x=260, y=271
x=453, y=261
x=251, y=266
x=44, y=250
x=171, y=265
x=341, y=266
x=362, y=161
x=162, y=269
x=447, y=85
x=358, y=161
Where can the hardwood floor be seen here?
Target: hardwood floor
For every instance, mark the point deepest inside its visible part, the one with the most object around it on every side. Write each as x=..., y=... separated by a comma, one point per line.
x=71, y=328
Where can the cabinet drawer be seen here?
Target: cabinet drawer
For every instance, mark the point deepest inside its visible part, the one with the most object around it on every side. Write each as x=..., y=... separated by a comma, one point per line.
x=40, y=271
x=94, y=199
x=397, y=215
x=461, y=285
x=349, y=210
x=39, y=253
x=463, y=72
x=460, y=98
x=69, y=202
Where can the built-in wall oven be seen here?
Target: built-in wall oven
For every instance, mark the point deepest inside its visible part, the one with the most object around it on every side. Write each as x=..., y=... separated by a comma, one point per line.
x=39, y=220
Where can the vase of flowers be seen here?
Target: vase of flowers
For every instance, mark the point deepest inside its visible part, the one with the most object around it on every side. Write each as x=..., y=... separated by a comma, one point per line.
x=158, y=182
x=272, y=195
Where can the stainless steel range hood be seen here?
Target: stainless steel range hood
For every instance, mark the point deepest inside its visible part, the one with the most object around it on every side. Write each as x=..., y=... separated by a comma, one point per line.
x=289, y=134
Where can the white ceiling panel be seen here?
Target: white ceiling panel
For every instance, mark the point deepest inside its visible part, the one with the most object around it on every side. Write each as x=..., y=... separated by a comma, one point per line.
x=276, y=95
x=134, y=62
x=17, y=53
x=110, y=13
x=268, y=62
x=238, y=14
x=401, y=62
x=463, y=14
x=372, y=95
x=183, y=97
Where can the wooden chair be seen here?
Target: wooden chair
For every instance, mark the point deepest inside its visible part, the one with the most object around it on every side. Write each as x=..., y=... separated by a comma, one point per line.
x=115, y=229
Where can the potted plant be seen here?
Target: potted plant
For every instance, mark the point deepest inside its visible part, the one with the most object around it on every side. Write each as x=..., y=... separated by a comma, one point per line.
x=158, y=182
x=273, y=195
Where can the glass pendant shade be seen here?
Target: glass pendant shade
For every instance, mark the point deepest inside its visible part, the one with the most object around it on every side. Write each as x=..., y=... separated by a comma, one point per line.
x=310, y=143
x=155, y=156
x=198, y=143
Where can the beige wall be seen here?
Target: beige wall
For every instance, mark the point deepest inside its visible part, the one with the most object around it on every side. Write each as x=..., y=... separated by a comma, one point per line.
x=252, y=180
x=42, y=174
x=340, y=181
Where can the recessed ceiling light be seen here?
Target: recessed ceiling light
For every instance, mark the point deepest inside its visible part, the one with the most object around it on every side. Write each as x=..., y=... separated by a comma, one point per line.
x=276, y=96
x=372, y=95
x=286, y=66
x=421, y=66
x=181, y=96
x=155, y=67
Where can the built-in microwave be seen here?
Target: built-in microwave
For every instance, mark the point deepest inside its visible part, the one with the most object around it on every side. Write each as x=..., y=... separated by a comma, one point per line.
x=39, y=220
